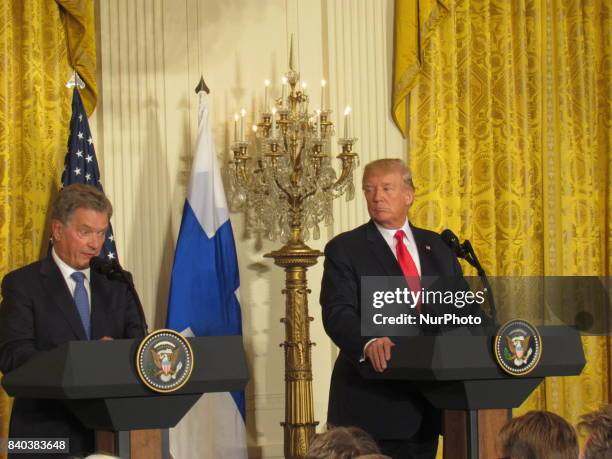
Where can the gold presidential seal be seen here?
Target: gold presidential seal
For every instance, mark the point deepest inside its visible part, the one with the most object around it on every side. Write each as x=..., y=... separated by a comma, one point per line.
x=164, y=361
x=518, y=347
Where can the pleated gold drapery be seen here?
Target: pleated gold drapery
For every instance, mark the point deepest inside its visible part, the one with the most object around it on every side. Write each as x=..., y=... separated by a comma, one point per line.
x=34, y=119
x=509, y=131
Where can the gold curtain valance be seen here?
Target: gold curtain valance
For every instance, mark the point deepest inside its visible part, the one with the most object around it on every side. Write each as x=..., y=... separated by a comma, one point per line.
x=78, y=20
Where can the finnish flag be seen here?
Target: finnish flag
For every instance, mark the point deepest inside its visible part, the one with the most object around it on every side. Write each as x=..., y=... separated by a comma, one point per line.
x=204, y=301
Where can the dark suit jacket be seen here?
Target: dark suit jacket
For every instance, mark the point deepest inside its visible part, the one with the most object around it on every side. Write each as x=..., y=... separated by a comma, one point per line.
x=37, y=314
x=385, y=409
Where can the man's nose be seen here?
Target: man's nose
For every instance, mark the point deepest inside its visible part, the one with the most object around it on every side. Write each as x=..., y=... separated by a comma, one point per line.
x=96, y=241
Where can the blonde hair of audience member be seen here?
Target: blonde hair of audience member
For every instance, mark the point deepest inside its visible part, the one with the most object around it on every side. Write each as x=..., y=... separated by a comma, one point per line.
x=373, y=456
x=342, y=443
x=598, y=427
x=538, y=435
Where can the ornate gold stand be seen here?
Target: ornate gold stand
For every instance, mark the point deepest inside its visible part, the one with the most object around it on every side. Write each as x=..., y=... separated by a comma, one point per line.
x=299, y=426
x=289, y=188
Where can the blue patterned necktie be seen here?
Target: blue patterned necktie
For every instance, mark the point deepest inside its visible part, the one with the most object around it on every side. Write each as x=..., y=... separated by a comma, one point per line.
x=82, y=301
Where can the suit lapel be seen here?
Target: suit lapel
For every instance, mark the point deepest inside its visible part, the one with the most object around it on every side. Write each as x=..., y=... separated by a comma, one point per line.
x=382, y=252
x=57, y=289
x=430, y=271
x=99, y=300
x=428, y=267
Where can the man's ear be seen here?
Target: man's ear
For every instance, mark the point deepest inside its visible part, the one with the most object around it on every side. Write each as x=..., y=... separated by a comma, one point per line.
x=56, y=229
x=409, y=197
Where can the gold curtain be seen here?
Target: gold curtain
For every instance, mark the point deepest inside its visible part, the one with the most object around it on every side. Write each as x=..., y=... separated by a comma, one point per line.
x=414, y=25
x=509, y=134
x=34, y=120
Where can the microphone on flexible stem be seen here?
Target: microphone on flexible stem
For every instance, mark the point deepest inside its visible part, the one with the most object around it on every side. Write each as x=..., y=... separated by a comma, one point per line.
x=109, y=268
x=452, y=241
x=100, y=265
x=466, y=251
x=113, y=270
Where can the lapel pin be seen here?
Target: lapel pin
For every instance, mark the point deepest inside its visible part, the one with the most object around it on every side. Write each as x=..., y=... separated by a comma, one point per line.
x=427, y=247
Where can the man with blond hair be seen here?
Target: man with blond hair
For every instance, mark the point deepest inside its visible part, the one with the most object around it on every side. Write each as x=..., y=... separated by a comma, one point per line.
x=60, y=299
x=403, y=423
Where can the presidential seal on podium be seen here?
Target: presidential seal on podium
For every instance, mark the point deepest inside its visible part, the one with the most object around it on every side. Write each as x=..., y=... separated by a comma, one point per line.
x=518, y=347
x=164, y=361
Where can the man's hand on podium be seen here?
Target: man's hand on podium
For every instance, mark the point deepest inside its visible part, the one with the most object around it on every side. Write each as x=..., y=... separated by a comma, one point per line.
x=378, y=352
x=106, y=338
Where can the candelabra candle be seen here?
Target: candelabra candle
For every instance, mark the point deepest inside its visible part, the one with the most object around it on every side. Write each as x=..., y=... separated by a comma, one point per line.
x=242, y=115
x=236, y=138
x=266, y=101
x=318, y=124
x=274, y=123
x=284, y=92
x=347, y=113
x=323, y=84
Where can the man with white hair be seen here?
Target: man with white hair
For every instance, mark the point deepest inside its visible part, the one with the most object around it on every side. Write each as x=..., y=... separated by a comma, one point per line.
x=404, y=424
x=60, y=299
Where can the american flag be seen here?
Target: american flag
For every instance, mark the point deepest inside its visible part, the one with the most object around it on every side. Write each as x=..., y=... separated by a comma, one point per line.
x=81, y=165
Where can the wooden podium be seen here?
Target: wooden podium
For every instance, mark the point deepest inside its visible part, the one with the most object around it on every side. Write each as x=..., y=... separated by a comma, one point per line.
x=98, y=381
x=459, y=374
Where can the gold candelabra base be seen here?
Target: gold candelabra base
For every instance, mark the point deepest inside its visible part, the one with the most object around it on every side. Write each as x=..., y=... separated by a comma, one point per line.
x=299, y=426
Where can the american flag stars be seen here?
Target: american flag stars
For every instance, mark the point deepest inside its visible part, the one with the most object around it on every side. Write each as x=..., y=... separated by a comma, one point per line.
x=81, y=165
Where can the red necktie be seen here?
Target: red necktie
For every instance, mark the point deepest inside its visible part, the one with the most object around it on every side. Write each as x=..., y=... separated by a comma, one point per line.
x=408, y=267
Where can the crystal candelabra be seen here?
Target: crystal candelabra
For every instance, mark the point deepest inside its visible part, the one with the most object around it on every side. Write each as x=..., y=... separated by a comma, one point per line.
x=286, y=192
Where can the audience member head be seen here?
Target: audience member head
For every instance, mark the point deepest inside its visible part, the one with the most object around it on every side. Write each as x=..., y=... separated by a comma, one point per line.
x=101, y=456
x=538, y=435
x=598, y=427
x=342, y=443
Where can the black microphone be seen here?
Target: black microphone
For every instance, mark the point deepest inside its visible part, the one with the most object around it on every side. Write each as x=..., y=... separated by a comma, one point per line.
x=113, y=270
x=466, y=251
x=102, y=266
x=451, y=240
x=109, y=268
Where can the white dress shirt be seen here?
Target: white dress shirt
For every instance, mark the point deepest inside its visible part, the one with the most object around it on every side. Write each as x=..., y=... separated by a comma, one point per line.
x=389, y=237
x=67, y=271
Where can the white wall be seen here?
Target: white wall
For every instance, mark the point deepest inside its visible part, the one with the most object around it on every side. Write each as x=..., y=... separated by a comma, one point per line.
x=151, y=54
